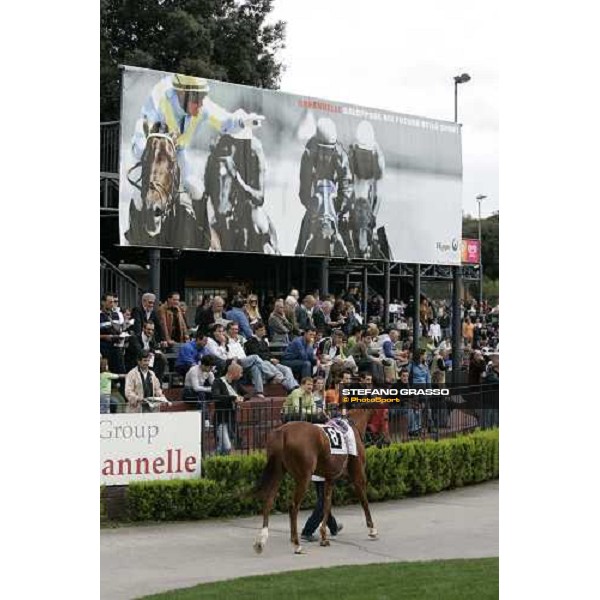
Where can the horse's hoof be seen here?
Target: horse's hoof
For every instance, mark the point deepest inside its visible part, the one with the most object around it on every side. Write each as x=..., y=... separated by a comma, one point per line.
x=373, y=534
x=299, y=550
x=325, y=543
x=258, y=547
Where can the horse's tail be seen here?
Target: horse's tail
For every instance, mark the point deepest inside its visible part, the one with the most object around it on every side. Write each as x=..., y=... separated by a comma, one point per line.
x=274, y=470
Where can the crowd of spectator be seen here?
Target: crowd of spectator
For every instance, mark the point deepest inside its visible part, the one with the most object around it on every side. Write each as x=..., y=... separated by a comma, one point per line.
x=307, y=345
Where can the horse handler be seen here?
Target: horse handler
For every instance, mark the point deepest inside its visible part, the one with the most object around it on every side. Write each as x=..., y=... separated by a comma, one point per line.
x=314, y=521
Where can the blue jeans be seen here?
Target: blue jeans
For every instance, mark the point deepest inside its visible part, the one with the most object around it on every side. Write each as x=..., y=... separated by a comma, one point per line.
x=289, y=382
x=104, y=404
x=223, y=439
x=301, y=368
x=269, y=370
x=252, y=366
x=316, y=517
x=414, y=418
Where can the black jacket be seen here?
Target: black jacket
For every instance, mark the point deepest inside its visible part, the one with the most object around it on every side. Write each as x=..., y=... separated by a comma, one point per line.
x=225, y=404
x=139, y=316
x=204, y=318
x=135, y=345
x=259, y=347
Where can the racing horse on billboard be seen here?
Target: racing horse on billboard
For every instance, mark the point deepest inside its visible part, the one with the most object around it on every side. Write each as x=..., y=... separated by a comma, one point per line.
x=366, y=242
x=326, y=194
x=367, y=164
x=163, y=219
x=234, y=183
x=302, y=449
x=324, y=238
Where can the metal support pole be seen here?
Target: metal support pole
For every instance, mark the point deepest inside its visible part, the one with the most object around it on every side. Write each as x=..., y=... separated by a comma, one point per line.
x=347, y=282
x=456, y=325
x=480, y=260
x=365, y=288
x=277, y=278
x=154, y=257
x=303, y=289
x=324, y=277
x=416, y=311
x=386, y=299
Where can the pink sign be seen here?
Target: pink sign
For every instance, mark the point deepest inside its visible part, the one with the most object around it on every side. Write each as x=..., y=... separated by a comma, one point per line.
x=470, y=252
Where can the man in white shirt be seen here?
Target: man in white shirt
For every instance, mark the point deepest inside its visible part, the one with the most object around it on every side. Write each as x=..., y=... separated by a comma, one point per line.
x=435, y=332
x=226, y=348
x=235, y=343
x=394, y=309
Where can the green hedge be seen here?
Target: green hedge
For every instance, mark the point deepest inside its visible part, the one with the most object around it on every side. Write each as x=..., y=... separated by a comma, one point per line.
x=400, y=470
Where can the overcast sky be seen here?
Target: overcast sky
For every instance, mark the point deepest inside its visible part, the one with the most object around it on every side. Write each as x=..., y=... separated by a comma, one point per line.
x=402, y=56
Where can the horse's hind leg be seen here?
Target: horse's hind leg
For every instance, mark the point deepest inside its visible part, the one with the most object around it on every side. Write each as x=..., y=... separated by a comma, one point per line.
x=327, y=494
x=299, y=491
x=276, y=472
x=359, y=483
x=261, y=539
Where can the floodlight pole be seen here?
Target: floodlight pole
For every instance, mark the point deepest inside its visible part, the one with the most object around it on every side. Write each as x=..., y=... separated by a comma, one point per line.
x=365, y=285
x=480, y=198
x=457, y=273
x=386, y=299
x=416, y=311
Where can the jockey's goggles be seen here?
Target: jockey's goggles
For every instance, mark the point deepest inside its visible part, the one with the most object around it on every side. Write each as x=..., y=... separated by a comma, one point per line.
x=326, y=149
x=193, y=100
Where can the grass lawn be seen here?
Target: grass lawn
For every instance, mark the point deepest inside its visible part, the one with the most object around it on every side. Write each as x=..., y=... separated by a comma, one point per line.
x=475, y=579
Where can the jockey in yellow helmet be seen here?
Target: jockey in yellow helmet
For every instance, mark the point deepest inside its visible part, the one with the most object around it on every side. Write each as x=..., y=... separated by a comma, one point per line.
x=179, y=105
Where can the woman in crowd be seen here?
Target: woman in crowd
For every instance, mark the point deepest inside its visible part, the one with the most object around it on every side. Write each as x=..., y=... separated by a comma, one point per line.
x=319, y=392
x=251, y=309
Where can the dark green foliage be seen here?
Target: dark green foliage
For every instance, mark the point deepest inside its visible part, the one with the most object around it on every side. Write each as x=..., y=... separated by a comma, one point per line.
x=219, y=39
x=172, y=500
x=394, y=472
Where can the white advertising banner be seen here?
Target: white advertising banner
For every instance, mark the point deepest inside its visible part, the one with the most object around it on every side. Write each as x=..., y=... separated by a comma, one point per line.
x=213, y=166
x=143, y=447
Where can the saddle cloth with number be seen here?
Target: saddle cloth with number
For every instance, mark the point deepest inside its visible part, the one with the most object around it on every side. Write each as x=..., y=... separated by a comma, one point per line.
x=340, y=442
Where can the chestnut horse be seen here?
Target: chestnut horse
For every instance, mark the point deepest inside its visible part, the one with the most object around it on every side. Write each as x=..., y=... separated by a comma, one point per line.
x=303, y=449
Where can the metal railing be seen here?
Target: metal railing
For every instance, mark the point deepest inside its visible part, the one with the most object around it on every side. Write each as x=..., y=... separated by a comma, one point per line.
x=109, y=148
x=248, y=426
x=112, y=279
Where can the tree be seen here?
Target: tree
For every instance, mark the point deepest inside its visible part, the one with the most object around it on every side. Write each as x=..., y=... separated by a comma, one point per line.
x=490, y=229
x=218, y=39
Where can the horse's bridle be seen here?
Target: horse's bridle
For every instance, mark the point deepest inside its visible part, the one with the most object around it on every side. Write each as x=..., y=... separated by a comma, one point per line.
x=167, y=198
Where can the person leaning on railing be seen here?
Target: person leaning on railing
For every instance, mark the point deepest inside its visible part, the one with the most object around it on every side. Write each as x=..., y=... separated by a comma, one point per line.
x=227, y=395
x=300, y=404
x=141, y=383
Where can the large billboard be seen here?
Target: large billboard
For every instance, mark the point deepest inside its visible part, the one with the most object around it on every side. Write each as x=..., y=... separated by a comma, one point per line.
x=144, y=447
x=214, y=166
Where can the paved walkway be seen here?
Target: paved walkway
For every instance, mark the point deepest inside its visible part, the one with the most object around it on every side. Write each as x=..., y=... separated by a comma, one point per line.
x=141, y=560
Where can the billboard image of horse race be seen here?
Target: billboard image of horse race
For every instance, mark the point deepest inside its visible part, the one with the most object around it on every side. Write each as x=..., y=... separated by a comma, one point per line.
x=220, y=167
